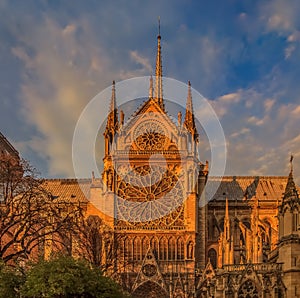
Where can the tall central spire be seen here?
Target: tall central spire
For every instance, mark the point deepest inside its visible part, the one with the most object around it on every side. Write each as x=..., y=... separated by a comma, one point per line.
x=158, y=94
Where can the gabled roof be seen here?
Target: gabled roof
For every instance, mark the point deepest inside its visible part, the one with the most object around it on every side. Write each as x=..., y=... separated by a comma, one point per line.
x=6, y=146
x=147, y=106
x=246, y=187
x=69, y=190
x=230, y=187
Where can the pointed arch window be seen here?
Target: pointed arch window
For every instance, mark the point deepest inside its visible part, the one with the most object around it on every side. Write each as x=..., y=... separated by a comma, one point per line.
x=172, y=249
x=154, y=247
x=212, y=255
x=190, y=250
x=180, y=249
x=163, y=248
x=137, y=249
x=295, y=221
x=127, y=249
x=145, y=246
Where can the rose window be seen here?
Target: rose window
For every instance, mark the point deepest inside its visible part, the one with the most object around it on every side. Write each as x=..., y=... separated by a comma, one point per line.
x=150, y=135
x=149, y=270
x=150, y=195
x=248, y=290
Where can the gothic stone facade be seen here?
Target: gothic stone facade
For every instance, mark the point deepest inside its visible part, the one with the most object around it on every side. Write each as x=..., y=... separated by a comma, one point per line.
x=244, y=242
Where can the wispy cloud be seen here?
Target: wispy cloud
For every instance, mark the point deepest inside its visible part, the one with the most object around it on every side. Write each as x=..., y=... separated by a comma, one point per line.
x=59, y=79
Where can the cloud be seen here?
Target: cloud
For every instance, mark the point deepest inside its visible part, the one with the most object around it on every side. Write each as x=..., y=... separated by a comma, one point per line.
x=230, y=98
x=59, y=78
x=281, y=16
x=243, y=131
x=288, y=51
x=142, y=61
x=255, y=121
x=268, y=104
x=296, y=111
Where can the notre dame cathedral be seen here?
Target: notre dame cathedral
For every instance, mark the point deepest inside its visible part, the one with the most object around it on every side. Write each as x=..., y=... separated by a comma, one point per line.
x=244, y=242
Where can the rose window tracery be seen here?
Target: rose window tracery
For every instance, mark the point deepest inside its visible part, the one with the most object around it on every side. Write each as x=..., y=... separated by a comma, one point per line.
x=149, y=270
x=150, y=197
x=248, y=290
x=150, y=135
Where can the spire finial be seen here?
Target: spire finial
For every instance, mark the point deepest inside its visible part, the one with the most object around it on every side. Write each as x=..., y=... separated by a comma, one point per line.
x=291, y=162
x=159, y=26
x=158, y=72
x=113, y=97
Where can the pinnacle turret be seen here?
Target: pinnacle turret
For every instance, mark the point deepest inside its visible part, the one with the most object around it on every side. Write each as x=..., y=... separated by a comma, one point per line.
x=112, y=124
x=189, y=120
x=290, y=192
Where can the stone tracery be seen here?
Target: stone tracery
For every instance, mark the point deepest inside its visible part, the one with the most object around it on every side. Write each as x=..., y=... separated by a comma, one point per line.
x=150, y=135
x=150, y=197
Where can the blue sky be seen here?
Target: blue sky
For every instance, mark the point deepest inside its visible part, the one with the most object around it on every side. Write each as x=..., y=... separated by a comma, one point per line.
x=243, y=56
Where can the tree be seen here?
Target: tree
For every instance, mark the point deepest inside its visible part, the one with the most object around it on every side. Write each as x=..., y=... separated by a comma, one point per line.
x=66, y=277
x=11, y=281
x=29, y=215
x=97, y=243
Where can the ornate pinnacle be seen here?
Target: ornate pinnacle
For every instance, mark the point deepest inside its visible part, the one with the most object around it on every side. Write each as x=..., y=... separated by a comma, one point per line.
x=112, y=124
x=189, y=121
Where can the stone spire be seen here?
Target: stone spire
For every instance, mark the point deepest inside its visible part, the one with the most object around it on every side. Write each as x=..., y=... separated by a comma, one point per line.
x=290, y=193
x=151, y=87
x=289, y=235
x=112, y=124
x=189, y=120
x=158, y=95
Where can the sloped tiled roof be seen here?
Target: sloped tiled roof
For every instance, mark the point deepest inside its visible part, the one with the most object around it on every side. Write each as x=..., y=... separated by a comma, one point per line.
x=6, y=146
x=240, y=187
x=217, y=188
x=69, y=190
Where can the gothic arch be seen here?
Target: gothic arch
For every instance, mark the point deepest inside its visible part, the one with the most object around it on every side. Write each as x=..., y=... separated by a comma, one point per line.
x=190, y=250
x=163, y=248
x=154, y=246
x=172, y=249
x=150, y=289
x=180, y=249
x=145, y=246
x=127, y=248
x=213, y=256
x=248, y=289
x=137, y=248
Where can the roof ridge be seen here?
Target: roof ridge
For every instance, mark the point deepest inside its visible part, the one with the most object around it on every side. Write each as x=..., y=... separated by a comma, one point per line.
x=68, y=179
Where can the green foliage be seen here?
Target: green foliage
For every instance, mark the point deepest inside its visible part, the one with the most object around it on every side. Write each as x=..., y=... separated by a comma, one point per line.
x=11, y=281
x=65, y=277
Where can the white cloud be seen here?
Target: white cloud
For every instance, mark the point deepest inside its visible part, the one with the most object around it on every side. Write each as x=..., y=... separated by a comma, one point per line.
x=295, y=36
x=230, y=98
x=142, y=61
x=255, y=121
x=61, y=75
x=296, y=111
x=281, y=16
x=241, y=132
x=289, y=51
x=268, y=104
